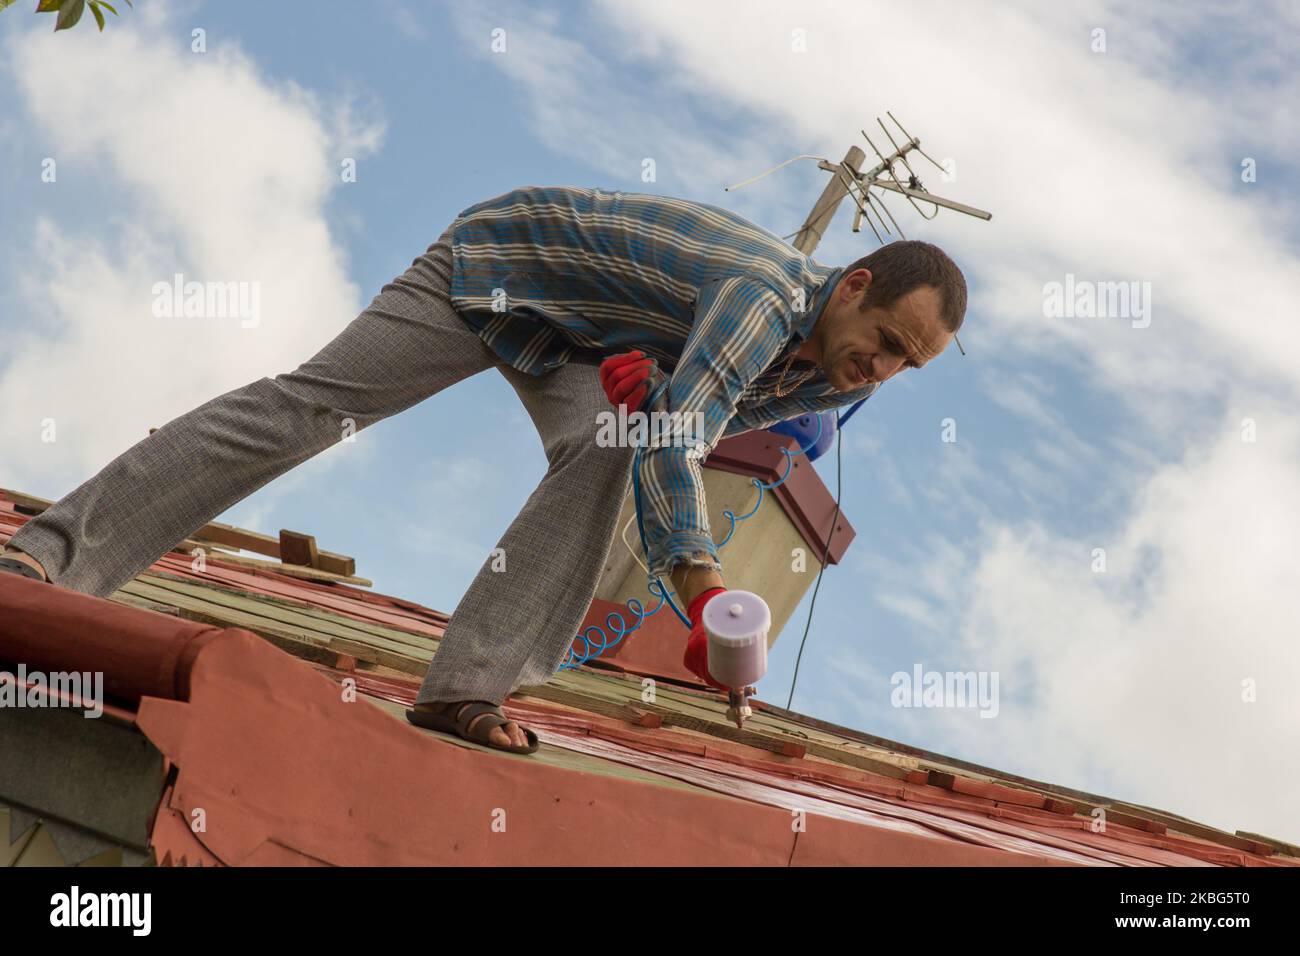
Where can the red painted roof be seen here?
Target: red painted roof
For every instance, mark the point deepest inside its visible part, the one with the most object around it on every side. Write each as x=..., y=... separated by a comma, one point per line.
x=290, y=771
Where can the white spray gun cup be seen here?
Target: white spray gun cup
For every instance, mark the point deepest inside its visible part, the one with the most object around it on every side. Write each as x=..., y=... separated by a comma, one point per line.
x=737, y=624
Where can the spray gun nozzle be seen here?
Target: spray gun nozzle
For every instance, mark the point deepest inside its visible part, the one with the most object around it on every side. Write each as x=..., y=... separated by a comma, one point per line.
x=738, y=709
x=737, y=623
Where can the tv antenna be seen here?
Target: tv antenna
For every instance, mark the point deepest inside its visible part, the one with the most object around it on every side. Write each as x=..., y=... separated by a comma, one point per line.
x=848, y=179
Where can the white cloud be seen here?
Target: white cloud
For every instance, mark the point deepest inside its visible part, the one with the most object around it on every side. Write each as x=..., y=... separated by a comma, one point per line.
x=1015, y=94
x=406, y=20
x=208, y=168
x=1142, y=668
x=1114, y=166
x=453, y=542
x=1129, y=682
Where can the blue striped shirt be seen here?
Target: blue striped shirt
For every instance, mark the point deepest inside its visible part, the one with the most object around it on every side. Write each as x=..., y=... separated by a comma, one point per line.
x=552, y=275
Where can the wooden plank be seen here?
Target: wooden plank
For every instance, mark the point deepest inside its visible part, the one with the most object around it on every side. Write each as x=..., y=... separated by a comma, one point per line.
x=29, y=502
x=246, y=540
x=139, y=591
x=240, y=538
x=140, y=603
x=279, y=610
x=296, y=644
x=619, y=710
x=211, y=547
x=642, y=718
x=292, y=570
x=207, y=613
x=415, y=666
x=617, y=689
x=295, y=604
x=298, y=548
x=626, y=691
x=689, y=702
x=694, y=714
x=990, y=791
x=560, y=756
x=1083, y=801
x=1084, y=808
x=223, y=534
x=608, y=702
x=1281, y=846
x=693, y=711
x=571, y=698
x=1189, y=827
x=347, y=604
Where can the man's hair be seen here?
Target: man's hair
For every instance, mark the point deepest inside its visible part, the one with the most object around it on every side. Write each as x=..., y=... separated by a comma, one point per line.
x=906, y=264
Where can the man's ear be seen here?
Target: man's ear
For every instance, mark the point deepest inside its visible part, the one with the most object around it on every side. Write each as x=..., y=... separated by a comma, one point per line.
x=854, y=283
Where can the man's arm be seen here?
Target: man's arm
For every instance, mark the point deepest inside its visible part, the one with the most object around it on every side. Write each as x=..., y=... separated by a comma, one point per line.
x=741, y=325
x=799, y=402
x=690, y=582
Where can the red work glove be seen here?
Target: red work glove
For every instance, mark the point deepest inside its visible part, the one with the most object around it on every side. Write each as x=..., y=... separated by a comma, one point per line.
x=696, y=658
x=626, y=378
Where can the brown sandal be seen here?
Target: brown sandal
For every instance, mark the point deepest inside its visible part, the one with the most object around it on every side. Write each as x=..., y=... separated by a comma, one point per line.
x=21, y=567
x=474, y=721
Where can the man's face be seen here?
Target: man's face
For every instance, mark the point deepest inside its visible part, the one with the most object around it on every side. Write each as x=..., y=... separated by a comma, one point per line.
x=858, y=347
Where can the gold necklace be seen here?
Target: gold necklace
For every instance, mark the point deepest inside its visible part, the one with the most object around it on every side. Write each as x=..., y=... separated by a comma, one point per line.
x=778, y=392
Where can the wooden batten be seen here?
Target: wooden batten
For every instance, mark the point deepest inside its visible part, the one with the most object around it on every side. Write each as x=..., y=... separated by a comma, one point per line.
x=301, y=547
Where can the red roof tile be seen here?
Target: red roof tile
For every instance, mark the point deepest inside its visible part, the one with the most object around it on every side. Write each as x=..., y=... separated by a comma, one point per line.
x=289, y=772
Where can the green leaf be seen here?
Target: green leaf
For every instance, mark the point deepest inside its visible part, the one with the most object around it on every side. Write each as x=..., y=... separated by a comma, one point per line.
x=7, y=3
x=99, y=17
x=69, y=14
x=48, y=6
x=101, y=3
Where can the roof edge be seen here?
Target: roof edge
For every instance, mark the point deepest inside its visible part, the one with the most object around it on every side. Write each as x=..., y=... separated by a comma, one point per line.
x=140, y=653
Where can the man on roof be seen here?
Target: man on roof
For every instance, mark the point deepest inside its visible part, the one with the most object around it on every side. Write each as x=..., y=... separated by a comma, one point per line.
x=580, y=298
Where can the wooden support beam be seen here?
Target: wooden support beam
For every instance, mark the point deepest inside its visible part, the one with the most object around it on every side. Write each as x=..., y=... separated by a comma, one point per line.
x=298, y=548
x=1177, y=824
x=230, y=537
x=292, y=570
x=29, y=504
x=996, y=792
x=240, y=538
x=642, y=718
x=668, y=717
x=1280, y=846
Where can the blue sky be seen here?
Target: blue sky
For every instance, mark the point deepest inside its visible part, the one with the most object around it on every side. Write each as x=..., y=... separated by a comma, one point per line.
x=1072, y=433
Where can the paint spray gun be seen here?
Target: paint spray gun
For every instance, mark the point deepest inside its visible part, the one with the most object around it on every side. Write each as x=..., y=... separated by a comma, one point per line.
x=736, y=623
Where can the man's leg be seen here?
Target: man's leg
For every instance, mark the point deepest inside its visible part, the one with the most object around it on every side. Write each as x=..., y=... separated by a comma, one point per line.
x=408, y=344
x=514, y=627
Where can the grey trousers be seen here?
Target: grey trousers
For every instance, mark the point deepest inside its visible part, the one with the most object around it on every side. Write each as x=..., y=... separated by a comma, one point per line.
x=512, y=627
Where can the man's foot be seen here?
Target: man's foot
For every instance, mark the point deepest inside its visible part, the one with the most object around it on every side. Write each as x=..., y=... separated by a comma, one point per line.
x=509, y=735
x=15, y=555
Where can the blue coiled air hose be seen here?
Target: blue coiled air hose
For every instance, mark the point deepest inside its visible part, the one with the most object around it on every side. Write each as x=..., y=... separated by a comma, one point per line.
x=594, y=637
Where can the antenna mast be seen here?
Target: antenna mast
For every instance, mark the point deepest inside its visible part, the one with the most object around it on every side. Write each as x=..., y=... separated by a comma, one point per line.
x=847, y=179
